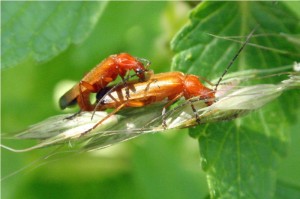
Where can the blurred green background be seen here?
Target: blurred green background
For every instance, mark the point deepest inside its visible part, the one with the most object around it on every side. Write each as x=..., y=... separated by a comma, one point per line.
x=151, y=166
x=163, y=165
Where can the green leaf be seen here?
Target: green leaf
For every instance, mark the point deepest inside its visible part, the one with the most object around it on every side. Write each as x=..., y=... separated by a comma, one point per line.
x=287, y=191
x=199, y=53
x=241, y=157
x=38, y=31
x=239, y=162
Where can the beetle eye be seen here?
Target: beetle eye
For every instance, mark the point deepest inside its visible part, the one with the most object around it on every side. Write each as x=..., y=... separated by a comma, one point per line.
x=139, y=71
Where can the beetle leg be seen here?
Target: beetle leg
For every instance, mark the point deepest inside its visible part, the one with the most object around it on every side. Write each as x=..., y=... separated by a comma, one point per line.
x=105, y=118
x=73, y=115
x=124, y=80
x=132, y=103
x=195, y=112
x=83, y=99
x=164, y=124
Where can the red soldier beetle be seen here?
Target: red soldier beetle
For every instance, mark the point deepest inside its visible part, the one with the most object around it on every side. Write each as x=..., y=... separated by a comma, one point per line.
x=100, y=76
x=172, y=85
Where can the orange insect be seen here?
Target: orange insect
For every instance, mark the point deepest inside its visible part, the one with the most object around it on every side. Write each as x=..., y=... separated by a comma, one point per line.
x=171, y=86
x=100, y=76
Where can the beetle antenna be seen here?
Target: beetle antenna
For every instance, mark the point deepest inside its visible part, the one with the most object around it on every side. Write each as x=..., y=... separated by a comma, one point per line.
x=234, y=58
x=102, y=98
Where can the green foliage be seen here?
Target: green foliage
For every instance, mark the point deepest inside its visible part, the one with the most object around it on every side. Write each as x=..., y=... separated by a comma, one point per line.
x=53, y=28
x=199, y=53
x=240, y=158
